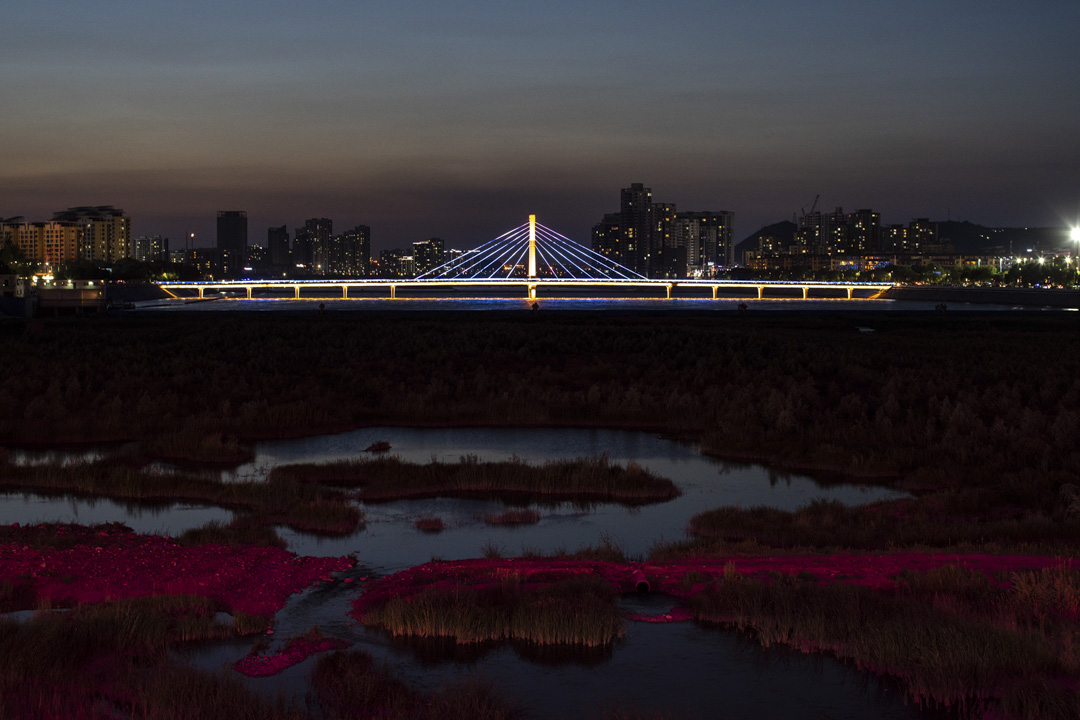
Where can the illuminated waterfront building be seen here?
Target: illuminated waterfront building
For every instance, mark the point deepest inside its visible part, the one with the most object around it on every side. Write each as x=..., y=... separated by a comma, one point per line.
x=106, y=231
x=50, y=243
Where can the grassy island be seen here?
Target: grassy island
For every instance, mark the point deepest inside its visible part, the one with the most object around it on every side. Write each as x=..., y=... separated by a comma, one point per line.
x=583, y=480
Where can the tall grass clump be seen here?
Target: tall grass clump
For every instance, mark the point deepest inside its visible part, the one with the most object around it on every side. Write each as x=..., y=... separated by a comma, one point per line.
x=574, y=611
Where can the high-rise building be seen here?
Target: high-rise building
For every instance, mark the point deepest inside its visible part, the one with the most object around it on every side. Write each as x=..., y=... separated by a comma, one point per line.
x=708, y=237
x=356, y=251
x=428, y=254
x=106, y=231
x=657, y=240
x=863, y=231
x=153, y=248
x=277, y=245
x=312, y=247
x=820, y=233
x=626, y=236
x=609, y=238
x=232, y=241
x=50, y=243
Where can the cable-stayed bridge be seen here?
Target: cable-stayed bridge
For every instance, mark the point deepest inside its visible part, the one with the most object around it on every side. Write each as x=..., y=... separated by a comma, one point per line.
x=529, y=261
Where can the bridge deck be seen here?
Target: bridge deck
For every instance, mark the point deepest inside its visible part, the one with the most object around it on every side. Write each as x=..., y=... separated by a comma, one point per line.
x=531, y=286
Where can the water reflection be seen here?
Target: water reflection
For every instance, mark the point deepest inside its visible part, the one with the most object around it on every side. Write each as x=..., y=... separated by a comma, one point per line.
x=391, y=542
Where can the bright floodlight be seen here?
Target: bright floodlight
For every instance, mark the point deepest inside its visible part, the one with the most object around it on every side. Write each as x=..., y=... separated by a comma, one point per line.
x=1075, y=234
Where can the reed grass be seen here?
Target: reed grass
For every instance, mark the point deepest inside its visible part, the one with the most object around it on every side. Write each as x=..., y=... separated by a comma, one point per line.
x=349, y=685
x=513, y=517
x=935, y=521
x=950, y=636
x=237, y=532
x=305, y=508
x=573, y=611
x=110, y=660
x=584, y=479
x=429, y=524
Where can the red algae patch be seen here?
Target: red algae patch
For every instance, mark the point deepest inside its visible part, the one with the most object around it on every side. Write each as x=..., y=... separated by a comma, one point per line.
x=295, y=651
x=70, y=564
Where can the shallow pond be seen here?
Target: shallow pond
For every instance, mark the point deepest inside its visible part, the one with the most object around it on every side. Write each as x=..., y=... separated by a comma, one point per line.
x=391, y=542
x=172, y=519
x=681, y=668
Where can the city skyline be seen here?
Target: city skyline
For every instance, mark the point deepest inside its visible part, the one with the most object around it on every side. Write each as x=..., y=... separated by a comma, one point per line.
x=458, y=122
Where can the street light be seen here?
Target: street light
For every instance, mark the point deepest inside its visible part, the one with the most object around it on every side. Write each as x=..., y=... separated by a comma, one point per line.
x=1074, y=234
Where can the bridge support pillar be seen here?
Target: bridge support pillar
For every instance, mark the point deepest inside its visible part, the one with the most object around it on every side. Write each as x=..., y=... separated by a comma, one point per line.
x=714, y=289
x=393, y=292
x=850, y=290
x=532, y=291
x=669, y=291
x=805, y=292
x=201, y=288
x=344, y=292
x=760, y=291
x=296, y=292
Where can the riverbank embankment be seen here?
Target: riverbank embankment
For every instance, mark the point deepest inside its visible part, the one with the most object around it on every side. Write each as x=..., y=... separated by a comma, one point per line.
x=1043, y=297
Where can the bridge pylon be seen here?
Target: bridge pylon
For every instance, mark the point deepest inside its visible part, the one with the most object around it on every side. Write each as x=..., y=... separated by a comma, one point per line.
x=532, y=247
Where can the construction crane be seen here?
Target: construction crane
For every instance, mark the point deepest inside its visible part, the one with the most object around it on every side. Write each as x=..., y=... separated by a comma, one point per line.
x=812, y=206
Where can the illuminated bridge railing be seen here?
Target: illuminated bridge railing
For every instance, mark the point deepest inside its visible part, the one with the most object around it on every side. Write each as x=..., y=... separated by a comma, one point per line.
x=531, y=288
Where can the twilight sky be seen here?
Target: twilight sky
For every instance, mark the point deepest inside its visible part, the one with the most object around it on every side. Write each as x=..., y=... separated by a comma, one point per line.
x=459, y=118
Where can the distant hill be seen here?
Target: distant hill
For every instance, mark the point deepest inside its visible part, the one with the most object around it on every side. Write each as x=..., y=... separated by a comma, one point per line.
x=966, y=237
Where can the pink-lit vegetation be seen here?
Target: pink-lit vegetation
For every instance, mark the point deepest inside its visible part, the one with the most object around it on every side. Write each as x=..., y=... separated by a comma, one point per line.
x=68, y=565
x=583, y=480
x=429, y=524
x=303, y=507
x=513, y=517
x=296, y=649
